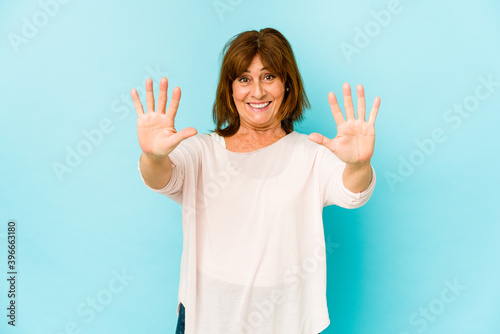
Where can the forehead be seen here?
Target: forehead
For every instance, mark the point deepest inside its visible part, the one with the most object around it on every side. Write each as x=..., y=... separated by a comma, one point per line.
x=256, y=65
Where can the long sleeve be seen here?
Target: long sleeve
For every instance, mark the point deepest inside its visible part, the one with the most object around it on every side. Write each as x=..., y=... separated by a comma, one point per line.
x=333, y=189
x=179, y=157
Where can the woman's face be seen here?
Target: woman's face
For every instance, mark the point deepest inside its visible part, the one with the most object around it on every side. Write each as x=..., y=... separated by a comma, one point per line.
x=258, y=95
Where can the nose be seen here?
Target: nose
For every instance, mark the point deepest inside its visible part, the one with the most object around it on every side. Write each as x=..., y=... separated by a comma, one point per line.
x=258, y=90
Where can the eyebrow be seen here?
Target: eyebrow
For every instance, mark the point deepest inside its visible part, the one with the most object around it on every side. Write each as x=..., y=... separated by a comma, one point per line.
x=262, y=69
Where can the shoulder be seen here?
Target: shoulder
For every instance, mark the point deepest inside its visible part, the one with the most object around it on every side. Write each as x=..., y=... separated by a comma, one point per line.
x=302, y=141
x=197, y=141
x=300, y=138
x=194, y=146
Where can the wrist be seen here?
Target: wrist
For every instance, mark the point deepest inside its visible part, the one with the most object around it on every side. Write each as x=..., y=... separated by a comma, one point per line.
x=358, y=166
x=357, y=177
x=155, y=158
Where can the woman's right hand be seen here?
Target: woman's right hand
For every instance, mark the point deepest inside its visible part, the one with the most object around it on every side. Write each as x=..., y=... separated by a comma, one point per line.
x=155, y=129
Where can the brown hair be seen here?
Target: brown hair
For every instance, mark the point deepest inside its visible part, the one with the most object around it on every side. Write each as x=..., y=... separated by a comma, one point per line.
x=276, y=54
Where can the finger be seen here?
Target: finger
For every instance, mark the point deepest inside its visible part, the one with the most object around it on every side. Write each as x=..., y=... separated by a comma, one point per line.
x=137, y=102
x=361, y=102
x=174, y=104
x=374, y=111
x=150, y=99
x=349, y=109
x=319, y=139
x=336, y=112
x=183, y=134
x=187, y=132
x=162, y=96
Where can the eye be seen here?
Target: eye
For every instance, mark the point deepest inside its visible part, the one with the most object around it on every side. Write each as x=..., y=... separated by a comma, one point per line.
x=243, y=79
x=269, y=77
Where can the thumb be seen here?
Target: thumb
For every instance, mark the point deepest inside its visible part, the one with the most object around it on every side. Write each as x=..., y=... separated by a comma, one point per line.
x=183, y=134
x=319, y=139
x=187, y=132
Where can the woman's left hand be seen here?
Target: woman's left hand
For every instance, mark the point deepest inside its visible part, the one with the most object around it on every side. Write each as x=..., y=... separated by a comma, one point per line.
x=355, y=140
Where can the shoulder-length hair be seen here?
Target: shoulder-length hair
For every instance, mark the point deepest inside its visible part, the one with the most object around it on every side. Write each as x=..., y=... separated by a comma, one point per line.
x=276, y=54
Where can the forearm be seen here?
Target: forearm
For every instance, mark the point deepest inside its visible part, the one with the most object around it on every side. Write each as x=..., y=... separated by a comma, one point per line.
x=156, y=171
x=357, y=178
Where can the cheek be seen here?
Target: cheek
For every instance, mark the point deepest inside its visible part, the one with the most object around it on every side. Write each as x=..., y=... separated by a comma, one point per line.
x=277, y=90
x=239, y=94
x=279, y=94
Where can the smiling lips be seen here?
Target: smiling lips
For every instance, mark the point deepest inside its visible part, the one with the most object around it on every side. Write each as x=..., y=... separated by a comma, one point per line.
x=259, y=106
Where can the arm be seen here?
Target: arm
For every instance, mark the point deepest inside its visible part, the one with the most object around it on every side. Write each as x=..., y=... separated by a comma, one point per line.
x=156, y=171
x=357, y=178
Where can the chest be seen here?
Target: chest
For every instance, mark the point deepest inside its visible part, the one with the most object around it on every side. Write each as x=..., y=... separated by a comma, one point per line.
x=246, y=145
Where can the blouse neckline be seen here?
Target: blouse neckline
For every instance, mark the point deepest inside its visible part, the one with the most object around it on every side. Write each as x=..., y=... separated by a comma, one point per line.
x=222, y=143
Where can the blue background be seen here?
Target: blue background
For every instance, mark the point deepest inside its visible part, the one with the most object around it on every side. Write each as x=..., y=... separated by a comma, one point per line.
x=432, y=221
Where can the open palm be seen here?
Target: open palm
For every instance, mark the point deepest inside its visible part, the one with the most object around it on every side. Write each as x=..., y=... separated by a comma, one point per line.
x=355, y=140
x=155, y=129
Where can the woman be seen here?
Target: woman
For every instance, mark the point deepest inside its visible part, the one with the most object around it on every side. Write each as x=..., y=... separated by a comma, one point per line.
x=253, y=191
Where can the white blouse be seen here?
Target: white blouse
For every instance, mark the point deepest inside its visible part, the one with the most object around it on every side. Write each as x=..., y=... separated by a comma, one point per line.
x=254, y=257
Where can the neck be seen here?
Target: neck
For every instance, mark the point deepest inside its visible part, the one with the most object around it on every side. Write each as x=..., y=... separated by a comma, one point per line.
x=273, y=132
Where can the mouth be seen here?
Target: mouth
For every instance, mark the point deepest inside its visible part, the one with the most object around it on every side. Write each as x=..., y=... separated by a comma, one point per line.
x=259, y=107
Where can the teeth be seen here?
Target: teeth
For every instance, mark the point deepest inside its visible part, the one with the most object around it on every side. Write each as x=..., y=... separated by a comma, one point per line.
x=259, y=106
